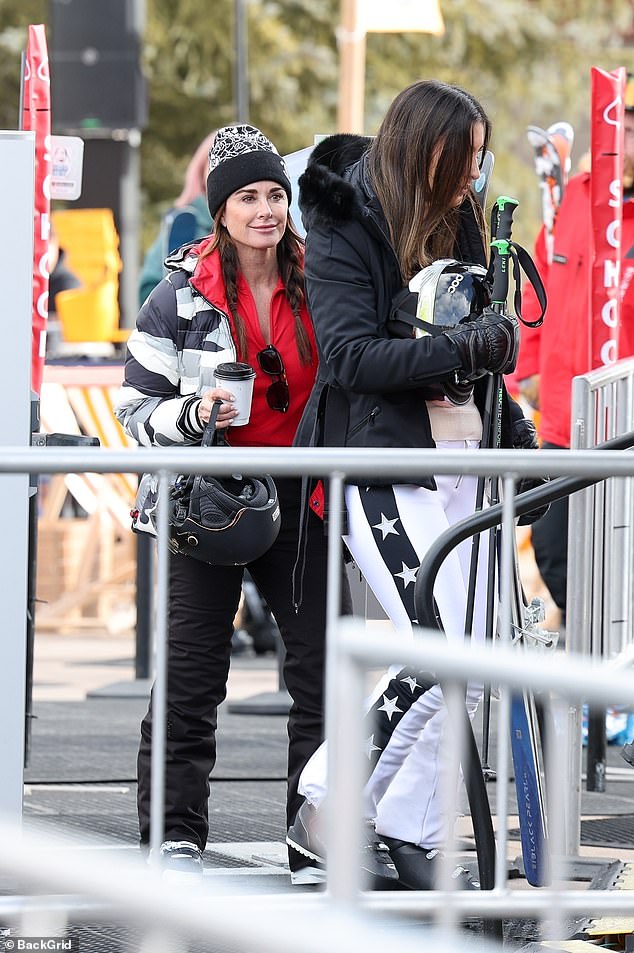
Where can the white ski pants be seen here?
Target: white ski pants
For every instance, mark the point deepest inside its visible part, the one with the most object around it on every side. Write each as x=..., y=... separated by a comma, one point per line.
x=390, y=531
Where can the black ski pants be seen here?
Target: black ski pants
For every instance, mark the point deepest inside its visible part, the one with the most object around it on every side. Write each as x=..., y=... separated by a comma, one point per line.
x=203, y=601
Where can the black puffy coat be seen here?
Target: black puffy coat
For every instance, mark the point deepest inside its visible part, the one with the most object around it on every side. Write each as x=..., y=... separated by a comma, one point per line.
x=371, y=387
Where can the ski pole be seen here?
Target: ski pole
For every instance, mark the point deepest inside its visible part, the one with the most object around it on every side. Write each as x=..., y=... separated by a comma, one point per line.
x=474, y=773
x=531, y=807
x=501, y=231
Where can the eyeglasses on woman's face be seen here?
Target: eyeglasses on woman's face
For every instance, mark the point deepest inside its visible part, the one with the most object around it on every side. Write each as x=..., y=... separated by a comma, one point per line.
x=277, y=394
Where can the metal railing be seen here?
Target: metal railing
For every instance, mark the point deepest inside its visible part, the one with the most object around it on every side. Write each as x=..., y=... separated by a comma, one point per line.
x=599, y=599
x=349, y=652
x=600, y=591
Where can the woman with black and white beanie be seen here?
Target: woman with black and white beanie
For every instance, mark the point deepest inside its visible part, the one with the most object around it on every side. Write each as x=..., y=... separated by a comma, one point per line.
x=237, y=295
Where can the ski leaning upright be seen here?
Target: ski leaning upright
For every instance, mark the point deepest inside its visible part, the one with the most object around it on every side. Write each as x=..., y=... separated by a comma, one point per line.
x=526, y=742
x=552, y=148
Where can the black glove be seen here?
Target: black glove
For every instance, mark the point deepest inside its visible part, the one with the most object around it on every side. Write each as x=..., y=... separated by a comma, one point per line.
x=488, y=343
x=525, y=438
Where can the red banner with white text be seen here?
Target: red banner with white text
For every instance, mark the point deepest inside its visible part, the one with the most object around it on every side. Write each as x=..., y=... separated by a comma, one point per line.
x=606, y=190
x=36, y=116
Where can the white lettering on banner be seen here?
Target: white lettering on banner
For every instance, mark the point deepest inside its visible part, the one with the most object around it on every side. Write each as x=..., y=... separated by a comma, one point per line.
x=607, y=212
x=608, y=352
x=612, y=234
x=43, y=265
x=46, y=184
x=45, y=226
x=43, y=73
x=42, y=304
x=613, y=105
x=610, y=274
x=609, y=313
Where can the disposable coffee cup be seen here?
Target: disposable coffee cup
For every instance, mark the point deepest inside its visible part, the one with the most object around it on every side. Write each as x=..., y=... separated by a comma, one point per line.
x=237, y=378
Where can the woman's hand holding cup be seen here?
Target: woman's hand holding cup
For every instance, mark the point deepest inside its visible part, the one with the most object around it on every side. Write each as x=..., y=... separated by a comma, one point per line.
x=227, y=411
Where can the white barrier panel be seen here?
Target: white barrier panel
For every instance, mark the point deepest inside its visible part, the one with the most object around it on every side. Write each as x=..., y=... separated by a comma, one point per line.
x=600, y=571
x=17, y=161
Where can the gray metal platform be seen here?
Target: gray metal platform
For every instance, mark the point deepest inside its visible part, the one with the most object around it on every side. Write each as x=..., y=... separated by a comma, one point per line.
x=81, y=782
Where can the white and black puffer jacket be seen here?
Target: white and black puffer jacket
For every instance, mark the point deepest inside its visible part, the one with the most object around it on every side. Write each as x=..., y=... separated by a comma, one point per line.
x=179, y=339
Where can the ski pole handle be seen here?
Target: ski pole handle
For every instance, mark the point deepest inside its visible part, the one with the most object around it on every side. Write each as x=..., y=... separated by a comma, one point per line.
x=501, y=253
x=501, y=231
x=502, y=217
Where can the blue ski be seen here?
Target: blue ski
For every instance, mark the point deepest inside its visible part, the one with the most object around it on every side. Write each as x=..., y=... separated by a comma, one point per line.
x=530, y=804
x=527, y=763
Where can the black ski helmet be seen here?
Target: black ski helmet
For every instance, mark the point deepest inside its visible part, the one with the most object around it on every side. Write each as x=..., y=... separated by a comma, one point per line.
x=447, y=292
x=439, y=297
x=225, y=521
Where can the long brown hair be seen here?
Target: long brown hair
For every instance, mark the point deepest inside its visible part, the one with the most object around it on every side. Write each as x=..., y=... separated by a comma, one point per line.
x=429, y=123
x=289, y=254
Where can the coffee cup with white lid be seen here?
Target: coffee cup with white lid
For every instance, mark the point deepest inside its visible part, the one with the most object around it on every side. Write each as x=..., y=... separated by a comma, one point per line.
x=238, y=378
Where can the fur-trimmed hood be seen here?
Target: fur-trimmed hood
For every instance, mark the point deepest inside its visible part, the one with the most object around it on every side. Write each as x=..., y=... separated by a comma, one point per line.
x=334, y=187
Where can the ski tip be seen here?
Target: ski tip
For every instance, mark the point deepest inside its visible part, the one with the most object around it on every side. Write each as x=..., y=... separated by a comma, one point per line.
x=563, y=129
x=536, y=135
x=561, y=134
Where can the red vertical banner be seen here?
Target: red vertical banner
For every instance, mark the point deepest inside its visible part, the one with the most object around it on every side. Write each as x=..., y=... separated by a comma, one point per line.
x=606, y=190
x=36, y=116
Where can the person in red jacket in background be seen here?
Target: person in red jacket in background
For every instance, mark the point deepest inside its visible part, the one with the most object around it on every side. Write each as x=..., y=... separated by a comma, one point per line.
x=551, y=355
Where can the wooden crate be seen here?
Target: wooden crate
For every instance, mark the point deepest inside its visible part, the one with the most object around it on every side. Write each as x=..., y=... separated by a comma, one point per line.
x=85, y=574
x=61, y=546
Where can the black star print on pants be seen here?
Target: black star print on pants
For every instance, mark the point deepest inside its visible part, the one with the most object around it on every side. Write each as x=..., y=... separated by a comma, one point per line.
x=397, y=699
x=393, y=543
x=398, y=554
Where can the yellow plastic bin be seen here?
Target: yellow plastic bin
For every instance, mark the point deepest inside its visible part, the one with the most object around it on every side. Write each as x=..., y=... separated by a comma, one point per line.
x=91, y=243
x=89, y=314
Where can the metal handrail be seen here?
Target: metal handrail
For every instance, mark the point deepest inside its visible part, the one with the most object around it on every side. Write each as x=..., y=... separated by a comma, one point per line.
x=492, y=516
x=337, y=464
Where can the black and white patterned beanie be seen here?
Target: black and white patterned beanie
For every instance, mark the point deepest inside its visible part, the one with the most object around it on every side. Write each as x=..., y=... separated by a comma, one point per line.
x=239, y=156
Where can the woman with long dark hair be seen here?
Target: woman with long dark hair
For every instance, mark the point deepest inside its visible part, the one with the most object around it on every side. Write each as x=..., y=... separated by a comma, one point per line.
x=382, y=216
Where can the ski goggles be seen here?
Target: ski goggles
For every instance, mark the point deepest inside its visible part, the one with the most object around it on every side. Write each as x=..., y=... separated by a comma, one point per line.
x=277, y=394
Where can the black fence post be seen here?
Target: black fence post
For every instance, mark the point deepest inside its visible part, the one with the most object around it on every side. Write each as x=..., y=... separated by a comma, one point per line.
x=597, y=751
x=144, y=601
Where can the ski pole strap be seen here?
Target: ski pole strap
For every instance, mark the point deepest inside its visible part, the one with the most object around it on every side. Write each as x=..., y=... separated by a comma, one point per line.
x=522, y=261
x=503, y=249
x=497, y=277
